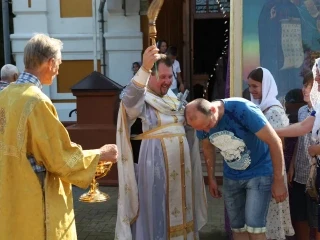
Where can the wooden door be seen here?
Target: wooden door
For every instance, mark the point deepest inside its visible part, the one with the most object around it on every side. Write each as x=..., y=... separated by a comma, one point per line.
x=201, y=10
x=169, y=26
x=187, y=44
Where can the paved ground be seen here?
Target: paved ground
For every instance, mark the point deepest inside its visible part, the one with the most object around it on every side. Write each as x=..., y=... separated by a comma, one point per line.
x=97, y=221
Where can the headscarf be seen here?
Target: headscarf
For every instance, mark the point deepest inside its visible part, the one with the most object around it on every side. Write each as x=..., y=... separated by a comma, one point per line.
x=315, y=101
x=269, y=92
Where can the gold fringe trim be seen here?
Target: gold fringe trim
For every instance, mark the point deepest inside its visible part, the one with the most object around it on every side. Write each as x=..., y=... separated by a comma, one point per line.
x=182, y=229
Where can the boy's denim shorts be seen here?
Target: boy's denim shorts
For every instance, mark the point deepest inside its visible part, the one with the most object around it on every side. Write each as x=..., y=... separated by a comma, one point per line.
x=247, y=203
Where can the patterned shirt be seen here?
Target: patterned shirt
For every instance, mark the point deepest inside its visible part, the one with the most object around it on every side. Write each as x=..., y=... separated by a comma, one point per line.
x=29, y=78
x=245, y=155
x=303, y=159
x=3, y=84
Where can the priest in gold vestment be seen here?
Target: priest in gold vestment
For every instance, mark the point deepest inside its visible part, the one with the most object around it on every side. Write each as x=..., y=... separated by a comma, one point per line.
x=38, y=162
x=162, y=196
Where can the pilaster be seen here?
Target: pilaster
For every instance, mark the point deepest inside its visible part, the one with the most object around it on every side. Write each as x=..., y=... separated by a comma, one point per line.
x=123, y=39
x=30, y=18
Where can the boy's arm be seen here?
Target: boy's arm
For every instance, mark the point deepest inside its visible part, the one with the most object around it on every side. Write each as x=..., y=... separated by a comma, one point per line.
x=181, y=87
x=297, y=129
x=292, y=164
x=179, y=78
x=314, y=150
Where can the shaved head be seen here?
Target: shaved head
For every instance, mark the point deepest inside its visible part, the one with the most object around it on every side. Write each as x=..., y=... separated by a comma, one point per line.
x=201, y=114
x=198, y=105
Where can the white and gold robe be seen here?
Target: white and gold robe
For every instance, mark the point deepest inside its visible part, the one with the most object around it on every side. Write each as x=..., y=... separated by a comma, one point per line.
x=163, y=196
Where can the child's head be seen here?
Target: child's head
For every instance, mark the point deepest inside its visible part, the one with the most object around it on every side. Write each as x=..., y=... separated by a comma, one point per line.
x=135, y=67
x=172, y=53
x=307, y=85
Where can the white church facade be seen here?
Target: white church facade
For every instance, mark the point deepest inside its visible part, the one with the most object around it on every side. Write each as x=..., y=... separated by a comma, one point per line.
x=76, y=24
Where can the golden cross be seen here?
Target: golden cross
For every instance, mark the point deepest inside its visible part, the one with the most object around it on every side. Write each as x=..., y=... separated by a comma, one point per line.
x=175, y=212
x=126, y=188
x=126, y=220
x=174, y=174
x=188, y=171
x=124, y=158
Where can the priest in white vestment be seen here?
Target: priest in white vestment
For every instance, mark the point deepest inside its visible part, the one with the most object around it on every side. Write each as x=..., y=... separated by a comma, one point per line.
x=162, y=196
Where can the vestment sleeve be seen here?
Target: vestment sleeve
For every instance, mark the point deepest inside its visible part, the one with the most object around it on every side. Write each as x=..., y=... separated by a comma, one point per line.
x=134, y=93
x=49, y=143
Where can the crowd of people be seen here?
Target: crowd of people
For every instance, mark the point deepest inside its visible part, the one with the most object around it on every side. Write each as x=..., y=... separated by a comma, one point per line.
x=161, y=195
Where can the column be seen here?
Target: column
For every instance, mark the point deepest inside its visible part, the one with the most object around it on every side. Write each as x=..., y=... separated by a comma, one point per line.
x=31, y=17
x=123, y=39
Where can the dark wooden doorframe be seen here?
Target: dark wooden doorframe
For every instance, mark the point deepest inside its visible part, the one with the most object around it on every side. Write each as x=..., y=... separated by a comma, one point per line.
x=198, y=78
x=187, y=45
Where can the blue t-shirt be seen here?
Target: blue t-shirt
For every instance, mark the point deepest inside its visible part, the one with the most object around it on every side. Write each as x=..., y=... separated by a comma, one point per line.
x=245, y=155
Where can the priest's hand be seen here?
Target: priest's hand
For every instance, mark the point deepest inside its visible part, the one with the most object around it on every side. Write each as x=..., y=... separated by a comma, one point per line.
x=150, y=56
x=109, y=153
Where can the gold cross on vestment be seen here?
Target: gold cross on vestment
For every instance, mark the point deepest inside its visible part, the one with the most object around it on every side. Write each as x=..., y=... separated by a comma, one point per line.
x=126, y=220
x=3, y=120
x=175, y=212
x=124, y=158
x=174, y=174
x=188, y=208
x=126, y=188
x=188, y=171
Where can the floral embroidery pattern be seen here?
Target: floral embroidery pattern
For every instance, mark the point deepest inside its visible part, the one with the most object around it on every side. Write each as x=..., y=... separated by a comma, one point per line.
x=279, y=218
x=3, y=120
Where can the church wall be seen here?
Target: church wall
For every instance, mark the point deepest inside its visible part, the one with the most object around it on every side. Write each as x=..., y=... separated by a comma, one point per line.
x=71, y=21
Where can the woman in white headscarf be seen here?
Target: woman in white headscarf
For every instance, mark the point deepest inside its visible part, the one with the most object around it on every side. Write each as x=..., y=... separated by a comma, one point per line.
x=264, y=91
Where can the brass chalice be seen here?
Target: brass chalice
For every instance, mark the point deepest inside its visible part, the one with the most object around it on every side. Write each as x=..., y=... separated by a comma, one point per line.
x=94, y=195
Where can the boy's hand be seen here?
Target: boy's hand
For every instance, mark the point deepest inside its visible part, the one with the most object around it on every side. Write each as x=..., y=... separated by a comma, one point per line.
x=313, y=150
x=290, y=175
x=181, y=87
